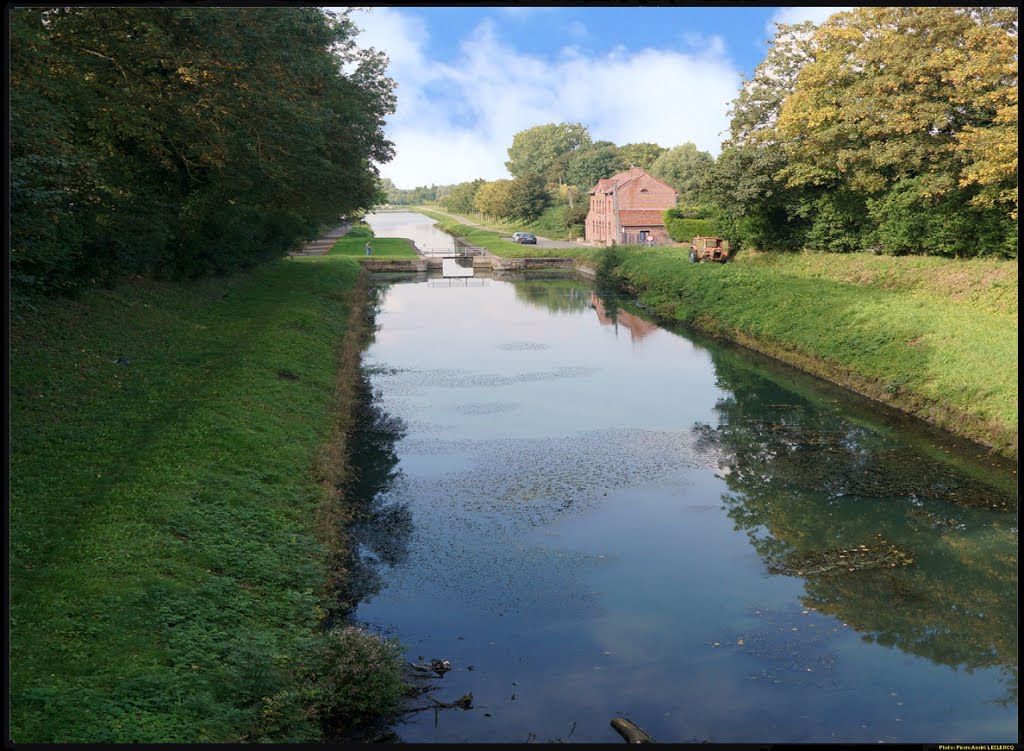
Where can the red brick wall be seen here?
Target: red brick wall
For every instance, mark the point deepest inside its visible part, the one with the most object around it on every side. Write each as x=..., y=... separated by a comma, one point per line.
x=641, y=192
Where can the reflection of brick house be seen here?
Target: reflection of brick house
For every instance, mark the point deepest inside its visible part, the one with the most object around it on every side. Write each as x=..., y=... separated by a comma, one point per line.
x=627, y=208
x=638, y=327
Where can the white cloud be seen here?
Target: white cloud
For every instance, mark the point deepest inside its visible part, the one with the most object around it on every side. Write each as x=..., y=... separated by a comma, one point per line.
x=455, y=121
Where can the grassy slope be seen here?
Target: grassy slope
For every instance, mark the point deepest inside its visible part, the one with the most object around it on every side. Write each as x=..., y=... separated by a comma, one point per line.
x=935, y=337
x=166, y=572
x=382, y=247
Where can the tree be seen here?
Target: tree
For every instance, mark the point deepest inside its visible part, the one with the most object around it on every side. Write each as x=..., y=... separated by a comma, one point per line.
x=589, y=165
x=460, y=199
x=536, y=150
x=528, y=197
x=753, y=205
x=185, y=141
x=755, y=111
x=986, y=78
x=684, y=168
x=880, y=105
x=642, y=155
x=494, y=199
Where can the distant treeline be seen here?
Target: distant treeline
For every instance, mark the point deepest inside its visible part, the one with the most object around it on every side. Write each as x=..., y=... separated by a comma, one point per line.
x=184, y=141
x=413, y=196
x=891, y=130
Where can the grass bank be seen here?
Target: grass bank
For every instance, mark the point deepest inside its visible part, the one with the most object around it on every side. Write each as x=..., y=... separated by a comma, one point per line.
x=934, y=337
x=550, y=224
x=382, y=247
x=498, y=242
x=175, y=505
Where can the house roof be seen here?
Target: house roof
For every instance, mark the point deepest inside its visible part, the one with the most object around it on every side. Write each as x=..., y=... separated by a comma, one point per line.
x=641, y=217
x=606, y=184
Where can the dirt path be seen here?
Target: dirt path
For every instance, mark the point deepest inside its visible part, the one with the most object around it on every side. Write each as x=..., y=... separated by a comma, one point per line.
x=321, y=245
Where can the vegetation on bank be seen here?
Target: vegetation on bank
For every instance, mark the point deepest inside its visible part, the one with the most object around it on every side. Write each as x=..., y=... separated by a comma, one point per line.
x=176, y=513
x=381, y=247
x=154, y=140
x=934, y=337
x=498, y=242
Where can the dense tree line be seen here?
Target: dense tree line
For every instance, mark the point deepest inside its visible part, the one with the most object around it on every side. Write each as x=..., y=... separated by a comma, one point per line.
x=421, y=194
x=885, y=129
x=554, y=166
x=184, y=141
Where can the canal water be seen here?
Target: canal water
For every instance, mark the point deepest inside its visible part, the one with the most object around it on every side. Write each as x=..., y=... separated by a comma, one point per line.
x=416, y=227
x=590, y=516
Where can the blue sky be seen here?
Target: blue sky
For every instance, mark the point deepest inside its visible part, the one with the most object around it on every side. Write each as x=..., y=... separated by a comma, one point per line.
x=469, y=78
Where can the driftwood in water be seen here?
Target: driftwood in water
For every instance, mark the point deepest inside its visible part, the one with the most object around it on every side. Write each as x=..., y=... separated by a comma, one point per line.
x=630, y=732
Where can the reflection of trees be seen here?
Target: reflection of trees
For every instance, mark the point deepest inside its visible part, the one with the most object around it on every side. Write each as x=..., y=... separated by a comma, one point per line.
x=556, y=295
x=380, y=532
x=912, y=551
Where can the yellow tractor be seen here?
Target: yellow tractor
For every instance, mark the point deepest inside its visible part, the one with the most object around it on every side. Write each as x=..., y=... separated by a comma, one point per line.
x=709, y=249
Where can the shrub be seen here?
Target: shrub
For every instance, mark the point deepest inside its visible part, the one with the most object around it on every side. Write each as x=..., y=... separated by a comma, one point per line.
x=684, y=230
x=360, y=229
x=361, y=679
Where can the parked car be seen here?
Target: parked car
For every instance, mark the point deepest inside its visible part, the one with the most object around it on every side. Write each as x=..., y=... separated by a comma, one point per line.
x=525, y=238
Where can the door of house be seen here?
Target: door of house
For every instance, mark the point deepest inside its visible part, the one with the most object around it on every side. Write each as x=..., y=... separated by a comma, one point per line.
x=643, y=237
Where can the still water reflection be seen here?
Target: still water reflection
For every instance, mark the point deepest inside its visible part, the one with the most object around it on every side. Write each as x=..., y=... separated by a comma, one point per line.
x=417, y=227
x=591, y=516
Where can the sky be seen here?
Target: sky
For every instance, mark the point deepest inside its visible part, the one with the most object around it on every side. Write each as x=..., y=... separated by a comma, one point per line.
x=469, y=78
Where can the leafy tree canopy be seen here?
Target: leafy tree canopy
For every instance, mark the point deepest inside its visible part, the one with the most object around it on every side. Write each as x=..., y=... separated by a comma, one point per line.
x=537, y=149
x=684, y=168
x=184, y=140
x=641, y=155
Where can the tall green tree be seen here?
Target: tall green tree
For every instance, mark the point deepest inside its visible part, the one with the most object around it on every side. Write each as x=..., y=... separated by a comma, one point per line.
x=528, y=197
x=753, y=205
x=494, y=199
x=593, y=163
x=537, y=149
x=460, y=199
x=206, y=139
x=879, y=110
x=642, y=155
x=684, y=168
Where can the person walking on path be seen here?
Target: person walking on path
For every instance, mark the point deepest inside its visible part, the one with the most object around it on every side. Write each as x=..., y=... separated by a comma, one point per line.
x=368, y=249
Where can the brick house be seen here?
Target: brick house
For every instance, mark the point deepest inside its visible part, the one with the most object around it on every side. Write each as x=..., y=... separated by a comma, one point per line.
x=627, y=208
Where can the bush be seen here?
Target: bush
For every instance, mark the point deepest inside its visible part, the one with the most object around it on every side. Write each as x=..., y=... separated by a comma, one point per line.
x=684, y=230
x=361, y=679
x=360, y=229
x=909, y=221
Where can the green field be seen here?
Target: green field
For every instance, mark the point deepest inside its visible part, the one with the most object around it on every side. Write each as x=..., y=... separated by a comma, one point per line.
x=170, y=536
x=382, y=247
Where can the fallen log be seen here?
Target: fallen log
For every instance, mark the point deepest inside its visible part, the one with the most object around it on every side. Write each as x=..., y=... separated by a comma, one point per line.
x=630, y=732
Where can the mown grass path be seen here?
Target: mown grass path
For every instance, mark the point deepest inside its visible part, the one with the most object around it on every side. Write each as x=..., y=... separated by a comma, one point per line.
x=167, y=575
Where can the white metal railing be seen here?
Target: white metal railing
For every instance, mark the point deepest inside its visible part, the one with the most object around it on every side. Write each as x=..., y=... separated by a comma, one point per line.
x=451, y=252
